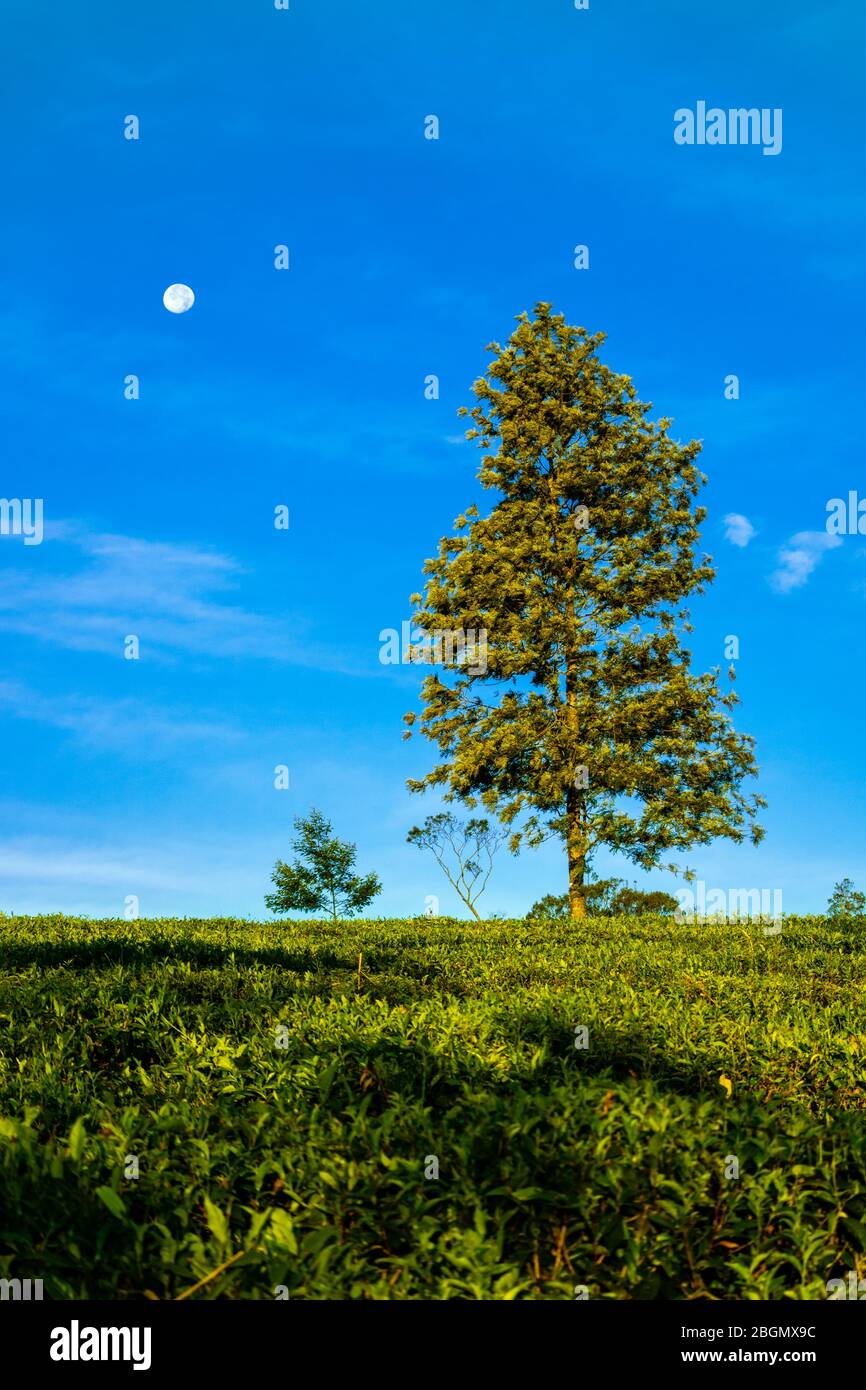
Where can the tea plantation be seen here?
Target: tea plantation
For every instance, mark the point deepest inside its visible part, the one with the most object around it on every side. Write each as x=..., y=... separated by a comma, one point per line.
x=428, y=1123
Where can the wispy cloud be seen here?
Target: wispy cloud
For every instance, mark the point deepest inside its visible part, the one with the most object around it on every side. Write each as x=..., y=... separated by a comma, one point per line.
x=94, y=874
x=738, y=529
x=33, y=862
x=177, y=599
x=799, y=557
x=116, y=725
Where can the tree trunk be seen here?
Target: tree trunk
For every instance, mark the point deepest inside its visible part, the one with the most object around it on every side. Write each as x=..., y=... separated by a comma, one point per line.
x=576, y=830
x=576, y=848
x=576, y=869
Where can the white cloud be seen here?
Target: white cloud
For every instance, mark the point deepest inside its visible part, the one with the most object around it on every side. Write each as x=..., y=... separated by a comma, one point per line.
x=116, y=725
x=33, y=862
x=799, y=557
x=738, y=529
x=173, y=597
x=86, y=591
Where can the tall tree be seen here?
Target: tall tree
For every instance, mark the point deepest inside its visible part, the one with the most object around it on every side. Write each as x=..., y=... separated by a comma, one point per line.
x=586, y=719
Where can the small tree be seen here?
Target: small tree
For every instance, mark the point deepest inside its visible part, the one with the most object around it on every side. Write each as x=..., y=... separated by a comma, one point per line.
x=846, y=901
x=323, y=879
x=471, y=847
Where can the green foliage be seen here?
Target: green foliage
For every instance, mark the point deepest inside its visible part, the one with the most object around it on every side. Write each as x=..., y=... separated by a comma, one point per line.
x=846, y=901
x=323, y=879
x=585, y=719
x=551, y=905
x=607, y=897
x=463, y=851
x=557, y=1166
x=629, y=902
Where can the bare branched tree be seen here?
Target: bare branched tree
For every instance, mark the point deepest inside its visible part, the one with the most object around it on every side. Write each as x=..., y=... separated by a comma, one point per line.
x=463, y=850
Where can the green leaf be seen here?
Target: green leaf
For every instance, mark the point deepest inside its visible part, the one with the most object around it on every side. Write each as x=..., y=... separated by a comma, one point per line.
x=77, y=1136
x=217, y=1222
x=857, y=1230
x=283, y=1230
x=115, y=1204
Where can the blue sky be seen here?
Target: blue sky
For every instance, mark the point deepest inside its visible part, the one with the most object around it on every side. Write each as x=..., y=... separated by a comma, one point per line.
x=260, y=127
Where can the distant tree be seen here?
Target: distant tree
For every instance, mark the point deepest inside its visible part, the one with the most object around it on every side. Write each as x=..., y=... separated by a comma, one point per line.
x=551, y=905
x=846, y=901
x=600, y=895
x=463, y=851
x=607, y=897
x=584, y=720
x=598, y=892
x=630, y=902
x=321, y=879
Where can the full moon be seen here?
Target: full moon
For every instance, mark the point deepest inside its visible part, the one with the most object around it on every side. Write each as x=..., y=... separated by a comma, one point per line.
x=178, y=298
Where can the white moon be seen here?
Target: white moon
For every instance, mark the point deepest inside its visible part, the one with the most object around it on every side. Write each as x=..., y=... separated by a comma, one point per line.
x=178, y=298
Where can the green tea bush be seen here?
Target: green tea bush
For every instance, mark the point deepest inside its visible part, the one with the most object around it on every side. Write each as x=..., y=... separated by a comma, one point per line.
x=287, y=1093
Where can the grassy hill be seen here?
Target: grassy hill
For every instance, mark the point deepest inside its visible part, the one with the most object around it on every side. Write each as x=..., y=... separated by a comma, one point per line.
x=285, y=1107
